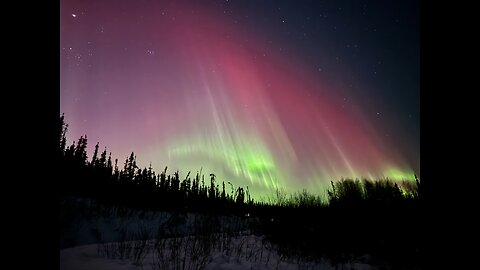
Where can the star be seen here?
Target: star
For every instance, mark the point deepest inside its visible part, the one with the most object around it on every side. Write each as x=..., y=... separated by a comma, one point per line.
x=74, y=15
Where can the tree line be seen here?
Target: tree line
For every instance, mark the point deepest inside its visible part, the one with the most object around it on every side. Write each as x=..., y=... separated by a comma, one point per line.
x=382, y=218
x=100, y=177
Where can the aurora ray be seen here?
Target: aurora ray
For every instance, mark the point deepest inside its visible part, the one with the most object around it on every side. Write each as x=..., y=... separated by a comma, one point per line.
x=185, y=85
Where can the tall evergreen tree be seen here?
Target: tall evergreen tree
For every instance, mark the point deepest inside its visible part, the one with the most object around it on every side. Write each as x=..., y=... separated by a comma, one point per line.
x=211, y=192
x=63, y=127
x=80, y=153
x=116, y=172
x=94, y=161
x=109, y=162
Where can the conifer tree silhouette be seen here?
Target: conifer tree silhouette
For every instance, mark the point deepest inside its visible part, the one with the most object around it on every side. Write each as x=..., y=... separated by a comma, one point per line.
x=94, y=161
x=62, y=135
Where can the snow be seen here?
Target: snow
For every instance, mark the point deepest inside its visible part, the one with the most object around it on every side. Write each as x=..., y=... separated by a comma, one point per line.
x=130, y=239
x=93, y=228
x=241, y=252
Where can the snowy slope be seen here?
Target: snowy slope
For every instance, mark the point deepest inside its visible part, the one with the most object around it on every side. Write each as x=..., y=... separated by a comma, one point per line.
x=116, y=238
x=242, y=252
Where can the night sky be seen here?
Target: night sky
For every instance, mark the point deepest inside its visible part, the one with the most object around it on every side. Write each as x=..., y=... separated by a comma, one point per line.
x=269, y=94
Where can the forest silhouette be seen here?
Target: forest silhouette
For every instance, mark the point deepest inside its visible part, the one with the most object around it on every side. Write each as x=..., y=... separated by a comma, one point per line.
x=382, y=218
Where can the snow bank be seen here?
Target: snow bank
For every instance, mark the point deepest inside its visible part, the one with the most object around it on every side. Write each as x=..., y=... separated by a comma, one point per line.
x=240, y=252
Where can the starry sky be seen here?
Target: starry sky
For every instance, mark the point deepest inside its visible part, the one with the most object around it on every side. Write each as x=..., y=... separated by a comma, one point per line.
x=265, y=94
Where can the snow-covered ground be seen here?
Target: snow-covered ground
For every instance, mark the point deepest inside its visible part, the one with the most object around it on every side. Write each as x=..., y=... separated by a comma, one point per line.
x=86, y=224
x=244, y=251
x=114, y=238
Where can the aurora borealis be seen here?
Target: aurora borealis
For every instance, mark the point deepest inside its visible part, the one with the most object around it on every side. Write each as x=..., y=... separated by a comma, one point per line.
x=265, y=94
